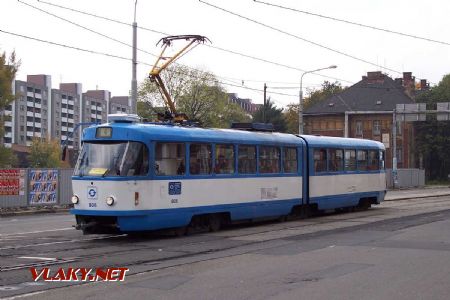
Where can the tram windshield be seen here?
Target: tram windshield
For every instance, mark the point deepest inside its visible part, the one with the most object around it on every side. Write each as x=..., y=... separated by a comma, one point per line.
x=112, y=159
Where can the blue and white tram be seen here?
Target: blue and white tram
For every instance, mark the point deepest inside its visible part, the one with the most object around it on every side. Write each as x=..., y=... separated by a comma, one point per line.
x=137, y=177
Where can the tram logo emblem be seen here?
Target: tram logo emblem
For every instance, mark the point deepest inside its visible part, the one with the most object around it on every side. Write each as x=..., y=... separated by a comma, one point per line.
x=92, y=192
x=175, y=188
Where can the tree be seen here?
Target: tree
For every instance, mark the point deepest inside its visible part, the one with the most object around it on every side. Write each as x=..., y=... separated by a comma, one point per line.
x=195, y=93
x=45, y=154
x=291, y=117
x=8, y=70
x=432, y=138
x=327, y=90
x=272, y=115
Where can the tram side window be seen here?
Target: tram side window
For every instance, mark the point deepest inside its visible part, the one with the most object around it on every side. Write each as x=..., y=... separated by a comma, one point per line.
x=200, y=159
x=247, y=159
x=350, y=160
x=374, y=162
x=224, y=163
x=362, y=160
x=336, y=160
x=170, y=159
x=290, y=160
x=320, y=160
x=269, y=159
x=382, y=158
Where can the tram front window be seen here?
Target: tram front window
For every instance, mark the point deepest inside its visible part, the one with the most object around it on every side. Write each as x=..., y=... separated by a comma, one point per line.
x=112, y=159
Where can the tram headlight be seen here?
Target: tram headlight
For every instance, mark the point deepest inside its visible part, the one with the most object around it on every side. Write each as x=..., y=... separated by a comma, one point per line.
x=75, y=199
x=110, y=200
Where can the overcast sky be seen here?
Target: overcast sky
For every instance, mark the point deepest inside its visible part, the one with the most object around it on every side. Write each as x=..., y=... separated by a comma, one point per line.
x=427, y=60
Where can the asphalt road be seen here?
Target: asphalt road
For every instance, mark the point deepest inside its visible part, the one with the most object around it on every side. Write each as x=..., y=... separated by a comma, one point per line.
x=399, y=250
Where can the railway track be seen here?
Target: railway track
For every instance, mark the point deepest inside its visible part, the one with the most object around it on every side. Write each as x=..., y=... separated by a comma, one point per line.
x=64, y=248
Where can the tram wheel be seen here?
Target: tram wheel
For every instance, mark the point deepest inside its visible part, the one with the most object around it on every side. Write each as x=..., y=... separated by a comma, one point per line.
x=215, y=223
x=180, y=231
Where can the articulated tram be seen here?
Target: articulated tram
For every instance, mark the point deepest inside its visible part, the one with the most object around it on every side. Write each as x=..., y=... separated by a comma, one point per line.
x=131, y=176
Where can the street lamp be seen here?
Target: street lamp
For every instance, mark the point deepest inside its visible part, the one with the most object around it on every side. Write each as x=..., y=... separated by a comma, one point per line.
x=300, y=106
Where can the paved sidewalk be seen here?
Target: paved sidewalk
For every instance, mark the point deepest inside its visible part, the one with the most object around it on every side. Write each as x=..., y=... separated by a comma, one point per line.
x=428, y=191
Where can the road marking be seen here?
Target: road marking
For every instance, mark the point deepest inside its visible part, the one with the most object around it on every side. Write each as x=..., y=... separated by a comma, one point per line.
x=62, y=242
x=38, y=258
x=38, y=231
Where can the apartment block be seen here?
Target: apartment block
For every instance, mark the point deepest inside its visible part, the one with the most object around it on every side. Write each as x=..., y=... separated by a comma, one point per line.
x=30, y=112
x=120, y=105
x=94, y=108
x=66, y=104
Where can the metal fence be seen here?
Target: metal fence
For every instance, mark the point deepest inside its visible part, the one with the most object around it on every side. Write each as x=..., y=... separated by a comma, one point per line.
x=35, y=187
x=406, y=178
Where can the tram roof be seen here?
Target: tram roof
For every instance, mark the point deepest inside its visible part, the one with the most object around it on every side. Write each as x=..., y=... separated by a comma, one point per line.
x=329, y=141
x=140, y=131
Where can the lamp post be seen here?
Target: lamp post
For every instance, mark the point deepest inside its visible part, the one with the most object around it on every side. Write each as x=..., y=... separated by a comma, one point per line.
x=134, y=64
x=300, y=106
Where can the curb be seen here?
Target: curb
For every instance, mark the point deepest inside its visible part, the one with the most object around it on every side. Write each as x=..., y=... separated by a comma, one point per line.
x=32, y=212
x=417, y=196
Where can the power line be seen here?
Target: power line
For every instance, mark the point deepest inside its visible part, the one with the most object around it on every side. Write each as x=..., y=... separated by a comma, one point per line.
x=206, y=45
x=69, y=47
x=298, y=37
x=354, y=23
x=85, y=28
x=122, y=58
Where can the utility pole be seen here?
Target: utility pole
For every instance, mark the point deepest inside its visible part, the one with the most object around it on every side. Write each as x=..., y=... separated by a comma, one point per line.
x=264, y=105
x=134, y=65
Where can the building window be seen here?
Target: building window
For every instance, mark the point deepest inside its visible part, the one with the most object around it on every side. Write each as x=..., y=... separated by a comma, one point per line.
x=269, y=159
x=22, y=108
x=376, y=128
x=22, y=128
x=399, y=128
x=29, y=89
x=200, y=159
x=37, y=91
x=399, y=155
x=224, y=162
x=22, y=138
x=22, y=119
x=247, y=159
x=359, y=128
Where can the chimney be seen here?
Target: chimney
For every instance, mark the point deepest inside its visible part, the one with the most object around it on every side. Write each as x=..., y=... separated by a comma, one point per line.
x=399, y=81
x=407, y=76
x=424, y=85
x=374, y=77
x=409, y=80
